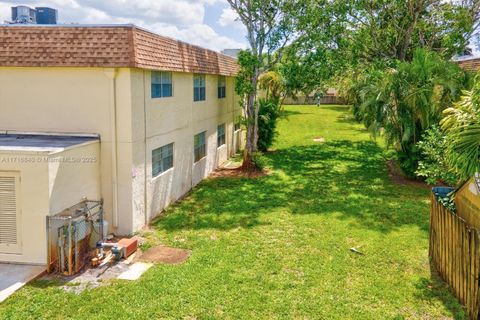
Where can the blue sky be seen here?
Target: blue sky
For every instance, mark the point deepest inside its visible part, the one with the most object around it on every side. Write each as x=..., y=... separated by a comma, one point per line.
x=208, y=23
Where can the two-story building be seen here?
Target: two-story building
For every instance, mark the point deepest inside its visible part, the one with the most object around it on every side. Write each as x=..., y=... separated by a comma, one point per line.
x=110, y=112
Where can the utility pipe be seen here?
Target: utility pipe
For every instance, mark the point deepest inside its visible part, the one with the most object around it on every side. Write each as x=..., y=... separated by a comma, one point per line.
x=111, y=74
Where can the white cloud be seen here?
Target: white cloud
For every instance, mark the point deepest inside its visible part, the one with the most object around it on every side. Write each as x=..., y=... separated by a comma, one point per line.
x=4, y=12
x=180, y=19
x=229, y=18
x=179, y=12
x=199, y=33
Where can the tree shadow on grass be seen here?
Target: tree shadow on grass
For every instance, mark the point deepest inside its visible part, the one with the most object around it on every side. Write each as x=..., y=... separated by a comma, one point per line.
x=224, y=203
x=345, y=178
x=286, y=113
x=349, y=178
x=335, y=107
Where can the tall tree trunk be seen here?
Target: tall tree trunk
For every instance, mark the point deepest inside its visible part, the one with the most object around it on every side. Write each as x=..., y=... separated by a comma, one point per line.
x=251, y=115
x=256, y=108
x=415, y=8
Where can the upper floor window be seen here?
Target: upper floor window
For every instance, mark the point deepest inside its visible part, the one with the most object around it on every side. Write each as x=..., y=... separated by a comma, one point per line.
x=199, y=87
x=221, y=135
x=162, y=159
x=222, y=87
x=199, y=146
x=161, y=84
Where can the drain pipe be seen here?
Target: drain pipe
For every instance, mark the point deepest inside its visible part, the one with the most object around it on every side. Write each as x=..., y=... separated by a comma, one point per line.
x=111, y=74
x=145, y=208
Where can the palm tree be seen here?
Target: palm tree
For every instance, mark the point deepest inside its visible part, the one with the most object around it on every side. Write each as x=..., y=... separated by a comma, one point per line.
x=272, y=83
x=462, y=126
x=406, y=100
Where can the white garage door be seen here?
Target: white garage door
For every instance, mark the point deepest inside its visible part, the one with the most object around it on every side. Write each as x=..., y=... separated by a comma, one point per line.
x=10, y=212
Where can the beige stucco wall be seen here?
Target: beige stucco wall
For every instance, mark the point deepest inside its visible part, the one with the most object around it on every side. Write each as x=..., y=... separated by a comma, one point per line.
x=116, y=104
x=78, y=100
x=34, y=204
x=74, y=174
x=50, y=182
x=161, y=121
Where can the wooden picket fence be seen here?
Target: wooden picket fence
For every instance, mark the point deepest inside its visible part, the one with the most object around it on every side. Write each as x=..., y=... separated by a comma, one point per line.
x=455, y=254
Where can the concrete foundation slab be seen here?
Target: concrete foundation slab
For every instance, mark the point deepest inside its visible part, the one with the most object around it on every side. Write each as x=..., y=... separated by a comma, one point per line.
x=135, y=271
x=15, y=276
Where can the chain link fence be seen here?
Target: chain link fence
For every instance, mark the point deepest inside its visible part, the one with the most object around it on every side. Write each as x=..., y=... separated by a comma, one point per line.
x=72, y=236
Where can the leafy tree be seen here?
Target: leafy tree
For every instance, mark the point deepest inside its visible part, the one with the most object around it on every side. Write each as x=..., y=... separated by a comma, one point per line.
x=348, y=38
x=393, y=29
x=270, y=27
x=462, y=126
x=321, y=50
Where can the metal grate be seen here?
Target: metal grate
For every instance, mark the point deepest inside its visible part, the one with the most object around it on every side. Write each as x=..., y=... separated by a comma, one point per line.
x=72, y=235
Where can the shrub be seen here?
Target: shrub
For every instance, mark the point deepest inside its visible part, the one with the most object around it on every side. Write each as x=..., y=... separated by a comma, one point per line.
x=433, y=165
x=259, y=160
x=268, y=114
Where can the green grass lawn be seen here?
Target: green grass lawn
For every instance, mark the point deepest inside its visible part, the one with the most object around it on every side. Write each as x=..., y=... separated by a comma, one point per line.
x=279, y=246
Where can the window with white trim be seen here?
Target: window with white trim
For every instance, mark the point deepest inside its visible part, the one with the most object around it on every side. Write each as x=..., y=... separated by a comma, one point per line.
x=199, y=87
x=221, y=135
x=161, y=84
x=199, y=146
x=162, y=159
x=222, y=87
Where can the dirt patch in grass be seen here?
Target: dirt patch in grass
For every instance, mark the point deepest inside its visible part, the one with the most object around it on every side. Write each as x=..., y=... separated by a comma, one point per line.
x=238, y=173
x=396, y=175
x=167, y=255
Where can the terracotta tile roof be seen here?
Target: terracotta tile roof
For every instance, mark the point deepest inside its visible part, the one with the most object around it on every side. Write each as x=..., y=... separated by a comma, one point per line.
x=106, y=46
x=470, y=64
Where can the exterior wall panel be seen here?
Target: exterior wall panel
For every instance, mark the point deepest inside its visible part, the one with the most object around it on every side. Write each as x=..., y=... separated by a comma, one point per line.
x=34, y=204
x=82, y=100
x=72, y=175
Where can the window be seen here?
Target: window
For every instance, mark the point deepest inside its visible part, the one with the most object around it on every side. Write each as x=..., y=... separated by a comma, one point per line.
x=221, y=135
x=161, y=84
x=237, y=126
x=162, y=159
x=199, y=87
x=199, y=146
x=222, y=87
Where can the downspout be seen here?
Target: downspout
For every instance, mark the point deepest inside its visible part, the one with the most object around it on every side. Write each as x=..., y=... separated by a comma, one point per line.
x=145, y=146
x=111, y=74
x=232, y=146
x=192, y=133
